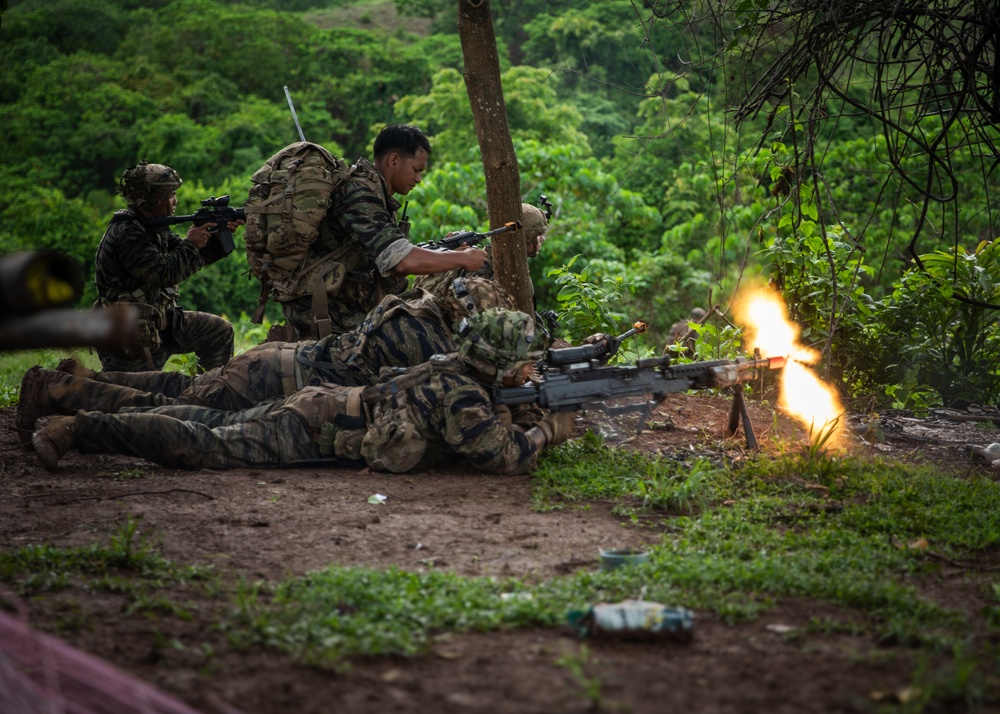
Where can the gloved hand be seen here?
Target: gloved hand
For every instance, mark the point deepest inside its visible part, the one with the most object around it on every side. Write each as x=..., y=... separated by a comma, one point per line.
x=603, y=343
x=595, y=338
x=557, y=427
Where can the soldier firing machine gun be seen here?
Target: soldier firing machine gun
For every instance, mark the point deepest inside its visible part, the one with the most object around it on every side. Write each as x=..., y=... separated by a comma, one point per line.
x=214, y=211
x=577, y=377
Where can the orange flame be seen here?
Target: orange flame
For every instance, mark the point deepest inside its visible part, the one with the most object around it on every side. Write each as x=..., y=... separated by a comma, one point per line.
x=803, y=395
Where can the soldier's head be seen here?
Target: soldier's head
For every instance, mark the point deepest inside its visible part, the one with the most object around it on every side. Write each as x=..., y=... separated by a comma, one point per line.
x=150, y=188
x=534, y=224
x=496, y=345
x=400, y=154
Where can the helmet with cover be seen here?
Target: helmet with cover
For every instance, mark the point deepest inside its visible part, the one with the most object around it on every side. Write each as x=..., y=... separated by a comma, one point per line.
x=145, y=185
x=533, y=221
x=497, y=343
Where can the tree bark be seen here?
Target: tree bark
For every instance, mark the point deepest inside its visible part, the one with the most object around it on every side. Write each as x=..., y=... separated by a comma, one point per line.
x=503, y=180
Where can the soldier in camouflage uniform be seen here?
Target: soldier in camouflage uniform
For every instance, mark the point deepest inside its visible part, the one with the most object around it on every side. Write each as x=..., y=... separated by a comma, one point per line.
x=402, y=331
x=362, y=231
x=424, y=417
x=143, y=267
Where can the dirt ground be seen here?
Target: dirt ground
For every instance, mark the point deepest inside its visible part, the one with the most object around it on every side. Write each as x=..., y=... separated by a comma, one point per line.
x=269, y=524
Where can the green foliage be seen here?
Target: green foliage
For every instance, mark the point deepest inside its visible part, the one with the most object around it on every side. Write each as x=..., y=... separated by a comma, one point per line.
x=585, y=307
x=822, y=281
x=950, y=346
x=38, y=568
x=586, y=469
x=533, y=113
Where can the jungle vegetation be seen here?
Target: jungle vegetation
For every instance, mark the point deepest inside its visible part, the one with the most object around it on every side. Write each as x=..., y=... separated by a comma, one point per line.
x=834, y=150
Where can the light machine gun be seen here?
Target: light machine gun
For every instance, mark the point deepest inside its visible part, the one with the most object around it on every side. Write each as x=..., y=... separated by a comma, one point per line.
x=573, y=379
x=219, y=214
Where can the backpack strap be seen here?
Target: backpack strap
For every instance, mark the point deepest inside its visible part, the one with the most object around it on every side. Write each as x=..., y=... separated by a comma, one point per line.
x=265, y=291
x=287, y=370
x=321, y=310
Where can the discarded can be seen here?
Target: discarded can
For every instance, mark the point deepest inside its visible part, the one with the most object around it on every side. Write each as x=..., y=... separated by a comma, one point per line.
x=611, y=559
x=634, y=620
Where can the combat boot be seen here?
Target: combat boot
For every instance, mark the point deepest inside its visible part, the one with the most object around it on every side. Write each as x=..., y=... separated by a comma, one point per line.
x=76, y=368
x=53, y=439
x=32, y=404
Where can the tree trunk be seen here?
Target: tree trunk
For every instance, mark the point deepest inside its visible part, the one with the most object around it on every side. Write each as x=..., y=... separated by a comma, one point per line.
x=503, y=181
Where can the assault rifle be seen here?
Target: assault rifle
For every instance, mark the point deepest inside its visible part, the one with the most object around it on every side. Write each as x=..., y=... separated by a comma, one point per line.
x=218, y=213
x=457, y=240
x=572, y=380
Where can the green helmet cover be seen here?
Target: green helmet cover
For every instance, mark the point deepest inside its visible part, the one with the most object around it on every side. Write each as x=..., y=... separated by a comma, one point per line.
x=497, y=343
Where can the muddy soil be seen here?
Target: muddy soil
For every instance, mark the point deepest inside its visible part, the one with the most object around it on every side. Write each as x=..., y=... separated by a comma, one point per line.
x=257, y=524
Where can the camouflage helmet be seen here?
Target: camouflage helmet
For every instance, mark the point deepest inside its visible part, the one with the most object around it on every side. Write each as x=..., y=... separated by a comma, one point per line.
x=497, y=343
x=533, y=221
x=144, y=185
x=466, y=296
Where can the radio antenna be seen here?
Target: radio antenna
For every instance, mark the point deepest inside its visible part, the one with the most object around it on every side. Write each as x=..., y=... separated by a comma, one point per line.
x=288, y=96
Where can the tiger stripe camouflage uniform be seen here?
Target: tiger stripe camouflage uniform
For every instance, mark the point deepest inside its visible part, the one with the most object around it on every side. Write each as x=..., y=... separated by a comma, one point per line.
x=428, y=424
x=402, y=331
x=362, y=231
x=145, y=266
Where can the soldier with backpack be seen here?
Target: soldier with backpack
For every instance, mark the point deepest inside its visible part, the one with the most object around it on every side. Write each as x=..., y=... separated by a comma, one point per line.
x=426, y=416
x=324, y=239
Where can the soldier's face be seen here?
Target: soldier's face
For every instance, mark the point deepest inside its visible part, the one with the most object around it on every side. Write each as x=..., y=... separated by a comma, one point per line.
x=406, y=171
x=166, y=206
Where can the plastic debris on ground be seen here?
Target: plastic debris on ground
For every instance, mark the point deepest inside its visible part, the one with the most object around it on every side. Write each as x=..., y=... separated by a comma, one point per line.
x=634, y=620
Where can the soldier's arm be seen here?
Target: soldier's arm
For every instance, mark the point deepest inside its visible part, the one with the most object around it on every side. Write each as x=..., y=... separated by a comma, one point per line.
x=361, y=212
x=149, y=265
x=421, y=261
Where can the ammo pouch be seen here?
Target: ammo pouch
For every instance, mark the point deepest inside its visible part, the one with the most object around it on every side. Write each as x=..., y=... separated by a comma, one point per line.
x=335, y=416
x=393, y=442
x=147, y=329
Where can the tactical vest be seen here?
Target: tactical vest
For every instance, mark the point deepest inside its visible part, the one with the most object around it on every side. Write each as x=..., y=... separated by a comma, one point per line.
x=394, y=440
x=155, y=308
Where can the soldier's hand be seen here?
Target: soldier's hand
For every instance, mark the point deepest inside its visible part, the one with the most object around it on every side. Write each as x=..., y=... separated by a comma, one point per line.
x=473, y=258
x=504, y=415
x=199, y=235
x=557, y=427
x=596, y=338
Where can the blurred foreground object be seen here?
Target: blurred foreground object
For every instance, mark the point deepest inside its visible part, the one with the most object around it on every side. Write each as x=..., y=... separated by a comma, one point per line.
x=40, y=674
x=35, y=289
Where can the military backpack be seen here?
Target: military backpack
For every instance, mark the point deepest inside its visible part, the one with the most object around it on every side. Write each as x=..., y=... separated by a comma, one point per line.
x=288, y=199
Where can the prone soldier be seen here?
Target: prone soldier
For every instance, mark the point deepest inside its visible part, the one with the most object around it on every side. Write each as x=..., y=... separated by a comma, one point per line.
x=423, y=417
